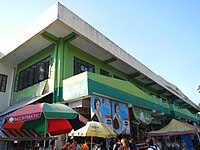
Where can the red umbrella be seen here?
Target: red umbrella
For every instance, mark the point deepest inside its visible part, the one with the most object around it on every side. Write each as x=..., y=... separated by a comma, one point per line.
x=43, y=117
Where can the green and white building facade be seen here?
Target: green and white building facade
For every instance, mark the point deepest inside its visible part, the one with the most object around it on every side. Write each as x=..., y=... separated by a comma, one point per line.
x=61, y=58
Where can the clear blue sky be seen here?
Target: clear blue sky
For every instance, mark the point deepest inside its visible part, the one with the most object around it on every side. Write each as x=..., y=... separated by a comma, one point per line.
x=162, y=34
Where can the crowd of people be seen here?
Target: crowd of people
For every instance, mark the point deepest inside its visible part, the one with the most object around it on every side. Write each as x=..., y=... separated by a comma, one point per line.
x=100, y=144
x=123, y=144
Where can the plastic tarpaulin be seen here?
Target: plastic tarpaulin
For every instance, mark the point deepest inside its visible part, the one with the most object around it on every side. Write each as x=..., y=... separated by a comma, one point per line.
x=175, y=127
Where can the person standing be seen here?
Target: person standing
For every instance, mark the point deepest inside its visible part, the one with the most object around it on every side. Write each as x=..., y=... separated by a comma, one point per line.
x=125, y=145
x=66, y=146
x=152, y=146
x=52, y=143
x=86, y=145
x=102, y=146
x=117, y=144
x=132, y=144
x=77, y=146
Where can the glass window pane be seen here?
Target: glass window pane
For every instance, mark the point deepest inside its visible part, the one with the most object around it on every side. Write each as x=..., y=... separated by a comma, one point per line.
x=3, y=82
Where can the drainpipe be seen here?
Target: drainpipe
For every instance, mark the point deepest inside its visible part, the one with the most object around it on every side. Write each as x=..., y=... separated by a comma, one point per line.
x=14, y=82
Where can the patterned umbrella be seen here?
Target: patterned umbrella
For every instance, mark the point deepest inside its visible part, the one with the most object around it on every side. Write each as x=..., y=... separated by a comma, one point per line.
x=43, y=117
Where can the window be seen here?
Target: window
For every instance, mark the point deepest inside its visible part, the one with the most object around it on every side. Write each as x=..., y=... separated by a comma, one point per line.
x=34, y=74
x=103, y=72
x=3, y=82
x=82, y=66
x=118, y=77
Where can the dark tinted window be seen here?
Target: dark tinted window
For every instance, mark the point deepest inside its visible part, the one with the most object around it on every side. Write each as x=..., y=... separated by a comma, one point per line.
x=117, y=77
x=82, y=66
x=103, y=72
x=34, y=74
x=3, y=82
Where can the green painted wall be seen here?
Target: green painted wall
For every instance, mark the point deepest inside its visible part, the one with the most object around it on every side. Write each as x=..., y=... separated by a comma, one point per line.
x=27, y=93
x=35, y=58
x=72, y=52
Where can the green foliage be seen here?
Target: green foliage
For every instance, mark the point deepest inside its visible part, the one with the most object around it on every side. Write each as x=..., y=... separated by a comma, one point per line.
x=198, y=89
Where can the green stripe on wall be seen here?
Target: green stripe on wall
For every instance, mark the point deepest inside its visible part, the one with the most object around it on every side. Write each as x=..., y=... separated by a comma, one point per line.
x=103, y=89
x=184, y=113
x=166, y=108
x=122, y=86
x=125, y=87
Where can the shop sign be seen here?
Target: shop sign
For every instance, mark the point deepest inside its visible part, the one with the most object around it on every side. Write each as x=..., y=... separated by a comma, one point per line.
x=22, y=118
x=142, y=114
x=74, y=89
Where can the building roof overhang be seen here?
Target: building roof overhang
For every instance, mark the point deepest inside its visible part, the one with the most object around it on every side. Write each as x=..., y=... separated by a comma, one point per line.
x=60, y=22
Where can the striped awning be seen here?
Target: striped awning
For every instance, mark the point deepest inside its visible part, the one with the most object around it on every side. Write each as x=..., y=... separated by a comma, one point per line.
x=22, y=135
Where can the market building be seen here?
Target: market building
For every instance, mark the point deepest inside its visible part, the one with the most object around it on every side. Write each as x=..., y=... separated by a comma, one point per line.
x=61, y=58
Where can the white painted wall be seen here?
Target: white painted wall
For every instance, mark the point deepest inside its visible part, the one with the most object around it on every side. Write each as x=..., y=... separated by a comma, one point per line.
x=5, y=97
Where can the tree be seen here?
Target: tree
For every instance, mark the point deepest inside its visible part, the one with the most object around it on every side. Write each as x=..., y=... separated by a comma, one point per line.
x=199, y=92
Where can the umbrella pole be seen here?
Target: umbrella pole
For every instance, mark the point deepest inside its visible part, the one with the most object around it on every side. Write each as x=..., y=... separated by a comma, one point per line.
x=175, y=141
x=44, y=131
x=198, y=136
x=91, y=142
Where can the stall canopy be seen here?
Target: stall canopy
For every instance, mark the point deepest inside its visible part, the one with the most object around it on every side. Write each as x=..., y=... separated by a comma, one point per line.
x=175, y=127
x=44, y=117
x=22, y=135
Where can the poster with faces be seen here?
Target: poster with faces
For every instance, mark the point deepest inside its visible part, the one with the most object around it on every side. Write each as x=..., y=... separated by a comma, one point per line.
x=111, y=112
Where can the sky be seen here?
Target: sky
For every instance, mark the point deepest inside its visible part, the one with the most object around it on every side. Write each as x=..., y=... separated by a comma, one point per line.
x=164, y=35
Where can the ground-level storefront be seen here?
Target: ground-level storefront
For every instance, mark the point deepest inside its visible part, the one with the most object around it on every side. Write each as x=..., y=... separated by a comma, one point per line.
x=23, y=139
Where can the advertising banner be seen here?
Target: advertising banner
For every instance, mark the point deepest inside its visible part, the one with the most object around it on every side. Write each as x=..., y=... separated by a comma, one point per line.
x=111, y=112
x=120, y=116
x=101, y=110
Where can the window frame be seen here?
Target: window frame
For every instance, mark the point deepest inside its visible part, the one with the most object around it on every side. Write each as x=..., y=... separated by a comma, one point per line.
x=104, y=72
x=82, y=66
x=3, y=82
x=117, y=77
x=34, y=74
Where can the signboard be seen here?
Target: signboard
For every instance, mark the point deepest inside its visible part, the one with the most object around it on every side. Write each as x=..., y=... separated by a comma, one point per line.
x=113, y=113
x=101, y=110
x=40, y=88
x=120, y=116
x=74, y=89
x=142, y=114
